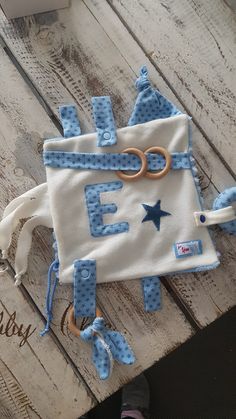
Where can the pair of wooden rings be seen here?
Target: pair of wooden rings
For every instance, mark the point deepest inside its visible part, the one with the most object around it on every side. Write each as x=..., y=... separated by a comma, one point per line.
x=72, y=323
x=144, y=164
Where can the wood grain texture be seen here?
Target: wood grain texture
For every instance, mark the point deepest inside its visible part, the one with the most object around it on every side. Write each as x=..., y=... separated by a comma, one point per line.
x=35, y=379
x=25, y=155
x=14, y=403
x=192, y=43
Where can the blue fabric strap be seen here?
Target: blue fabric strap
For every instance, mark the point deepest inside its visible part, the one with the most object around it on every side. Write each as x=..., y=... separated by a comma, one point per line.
x=112, y=161
x=151, y=293
x=104, y=120
x=150, y=104
x=69, y=121
x=85, y=288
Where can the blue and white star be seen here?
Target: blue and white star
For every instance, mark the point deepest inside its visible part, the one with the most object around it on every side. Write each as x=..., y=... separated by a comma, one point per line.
x=154, y=214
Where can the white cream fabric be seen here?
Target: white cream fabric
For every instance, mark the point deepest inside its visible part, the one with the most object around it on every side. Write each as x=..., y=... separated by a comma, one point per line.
x=211, y=217
x=142, y=251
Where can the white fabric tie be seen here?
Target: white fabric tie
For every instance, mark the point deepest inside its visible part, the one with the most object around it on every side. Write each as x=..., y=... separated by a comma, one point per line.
x=34, y=205
x=211, y=217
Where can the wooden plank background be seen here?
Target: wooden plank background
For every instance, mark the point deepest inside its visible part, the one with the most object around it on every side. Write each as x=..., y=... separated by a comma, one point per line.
x=192, y=44
x=96, y=48
x=24, y=126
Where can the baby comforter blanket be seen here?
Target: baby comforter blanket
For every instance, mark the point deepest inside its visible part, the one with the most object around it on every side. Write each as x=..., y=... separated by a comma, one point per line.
x=123, y=203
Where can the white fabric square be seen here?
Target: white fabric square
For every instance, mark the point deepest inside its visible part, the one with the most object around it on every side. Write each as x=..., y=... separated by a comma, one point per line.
x=143, y=250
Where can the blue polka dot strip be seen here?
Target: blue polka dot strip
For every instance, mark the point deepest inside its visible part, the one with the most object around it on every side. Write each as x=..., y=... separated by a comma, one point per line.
x=112, y=161
x=150, y=104
x=96, y=210
x=151, y=293
x=85, y=288
x=104, y=120
x=69, y=120
x=119, y=347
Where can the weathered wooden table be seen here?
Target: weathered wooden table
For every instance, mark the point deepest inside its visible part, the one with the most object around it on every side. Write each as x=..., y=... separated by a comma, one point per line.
x=94, y=48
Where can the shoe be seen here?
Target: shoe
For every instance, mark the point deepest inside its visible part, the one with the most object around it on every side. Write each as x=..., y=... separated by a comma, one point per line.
x=136, y=396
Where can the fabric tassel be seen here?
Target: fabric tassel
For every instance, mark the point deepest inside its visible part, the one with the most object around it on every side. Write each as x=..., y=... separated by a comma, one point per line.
x=107, y=346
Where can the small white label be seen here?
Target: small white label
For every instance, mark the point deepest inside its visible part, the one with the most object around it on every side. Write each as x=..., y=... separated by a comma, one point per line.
x=189, y=248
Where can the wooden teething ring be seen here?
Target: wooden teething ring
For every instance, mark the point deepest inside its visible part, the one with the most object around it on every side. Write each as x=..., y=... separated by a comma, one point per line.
x=143, y=169
x=164, y=153
x=71, y=320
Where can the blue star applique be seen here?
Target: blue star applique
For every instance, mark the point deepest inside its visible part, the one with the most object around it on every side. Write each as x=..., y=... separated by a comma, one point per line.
x=154, y=214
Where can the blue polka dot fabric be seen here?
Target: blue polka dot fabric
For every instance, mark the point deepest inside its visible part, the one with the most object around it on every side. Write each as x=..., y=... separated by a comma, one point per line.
x=107, y=345
x=85, y=288
x=225, y=199
x=69, y=121
x=104, y=120
x=96, y=210
x=151, y=293
x=120, y=349
x=110, y=161
x=150, y=104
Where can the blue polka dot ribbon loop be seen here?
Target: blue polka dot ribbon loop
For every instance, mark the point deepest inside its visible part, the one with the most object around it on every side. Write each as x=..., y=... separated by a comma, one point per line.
x=85, y=288
x=151, y=293
x=107, y=346
x=150, y=104
x=104, y=120
x=69, y=120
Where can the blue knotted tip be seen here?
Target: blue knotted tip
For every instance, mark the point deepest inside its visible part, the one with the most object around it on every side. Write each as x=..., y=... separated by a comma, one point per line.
x=143, y=71
x=98, y=325
x=142, y=82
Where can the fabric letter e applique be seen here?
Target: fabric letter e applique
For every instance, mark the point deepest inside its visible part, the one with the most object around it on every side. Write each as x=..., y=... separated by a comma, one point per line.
x=96, y=210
